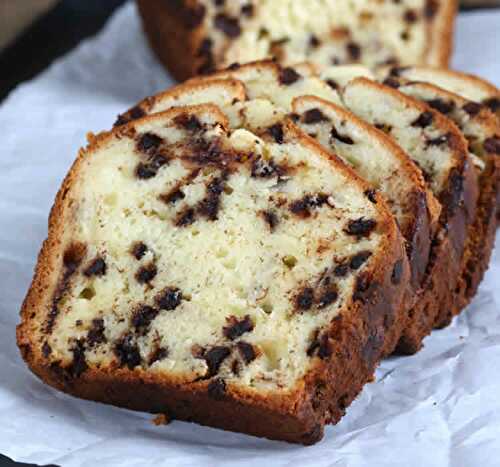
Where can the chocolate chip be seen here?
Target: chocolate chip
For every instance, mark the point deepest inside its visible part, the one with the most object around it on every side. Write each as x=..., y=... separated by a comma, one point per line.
x=493, y=103
x=441, y=105
x=443, y=139
x=138, y=250
x=359, y=259
x=302, y=207
x=173, y=196
x=73, y=256
x=370, y=194
x=146, y=274
x=360, y=227
x=328, y=297
x=472, y=108
x=79, y=364
x=314, y=116
x=214, y=358
x=149, y=142
x=46, y=349
x=271, y=219
x=289, y=76
x=95, y=334
x=236, y=328
x=96, y=268
x=423, y=120
x=127, y=352
x=304, y=300
x=159, y=354
x=217, y=389
x=210, y=205
x=188, y=122
x=247, y=10
x=392, y=82
x=431, y=8
x=364, y=289
x=398, y=70
x=228, y=25
x=205, y=47
x=354, y=50
x=193, y=16
x=266, y=169
x=332, y=83
x=133, y=114
x=410, y=16
x=314, y=42
x=149, y=170
x=334, y=134
x=320, y=345
x=143, y=316
x=234, y=66
x=247, y=351
x=185, y=218
x=276, y=131
x=397, y=272
x=492, y=145
x=169, y=298
x=341, y=270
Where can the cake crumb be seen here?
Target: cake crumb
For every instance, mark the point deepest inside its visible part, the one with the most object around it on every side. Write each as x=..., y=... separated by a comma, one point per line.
x=161, y=419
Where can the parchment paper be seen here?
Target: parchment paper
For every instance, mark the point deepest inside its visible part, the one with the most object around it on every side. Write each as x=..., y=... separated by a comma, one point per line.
x=440, y=407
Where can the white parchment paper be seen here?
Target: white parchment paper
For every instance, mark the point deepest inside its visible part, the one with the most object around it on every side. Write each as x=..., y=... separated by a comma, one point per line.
x=438, y=408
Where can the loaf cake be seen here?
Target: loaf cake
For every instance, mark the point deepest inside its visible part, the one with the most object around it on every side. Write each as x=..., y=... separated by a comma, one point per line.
x=192, y=37
x=246, y=281
x=480, y=127
x=439, y=148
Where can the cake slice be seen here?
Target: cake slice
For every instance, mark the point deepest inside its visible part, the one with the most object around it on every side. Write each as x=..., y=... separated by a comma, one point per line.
x=274, y=91
x=193, y=37
x=438, y=147
x=469, y=86
x=480, y=128
x=243, y=281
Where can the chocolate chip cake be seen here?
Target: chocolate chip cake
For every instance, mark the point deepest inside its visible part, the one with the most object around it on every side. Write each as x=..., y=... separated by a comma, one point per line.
x=439, y=148
x=193, y=37
x=247, y=281
x=479, y=126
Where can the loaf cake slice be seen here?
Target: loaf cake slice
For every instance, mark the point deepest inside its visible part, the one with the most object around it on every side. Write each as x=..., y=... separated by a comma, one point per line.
x=479, y=126
x=192, y=37
x=274, y=91
x=469, y=86
x=241, y=281
x=438, y=147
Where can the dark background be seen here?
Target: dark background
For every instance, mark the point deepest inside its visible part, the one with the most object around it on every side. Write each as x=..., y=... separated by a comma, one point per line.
x=51, y=36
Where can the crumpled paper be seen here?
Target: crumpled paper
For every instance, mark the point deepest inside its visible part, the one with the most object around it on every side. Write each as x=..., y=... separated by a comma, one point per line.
x=440, y=407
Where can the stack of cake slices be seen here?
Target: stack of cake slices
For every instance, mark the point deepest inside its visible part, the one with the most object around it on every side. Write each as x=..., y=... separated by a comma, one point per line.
x=243, y=249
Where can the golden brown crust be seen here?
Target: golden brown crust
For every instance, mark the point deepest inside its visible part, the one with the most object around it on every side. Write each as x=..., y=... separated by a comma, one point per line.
x=369, y=327
x=441, y=32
